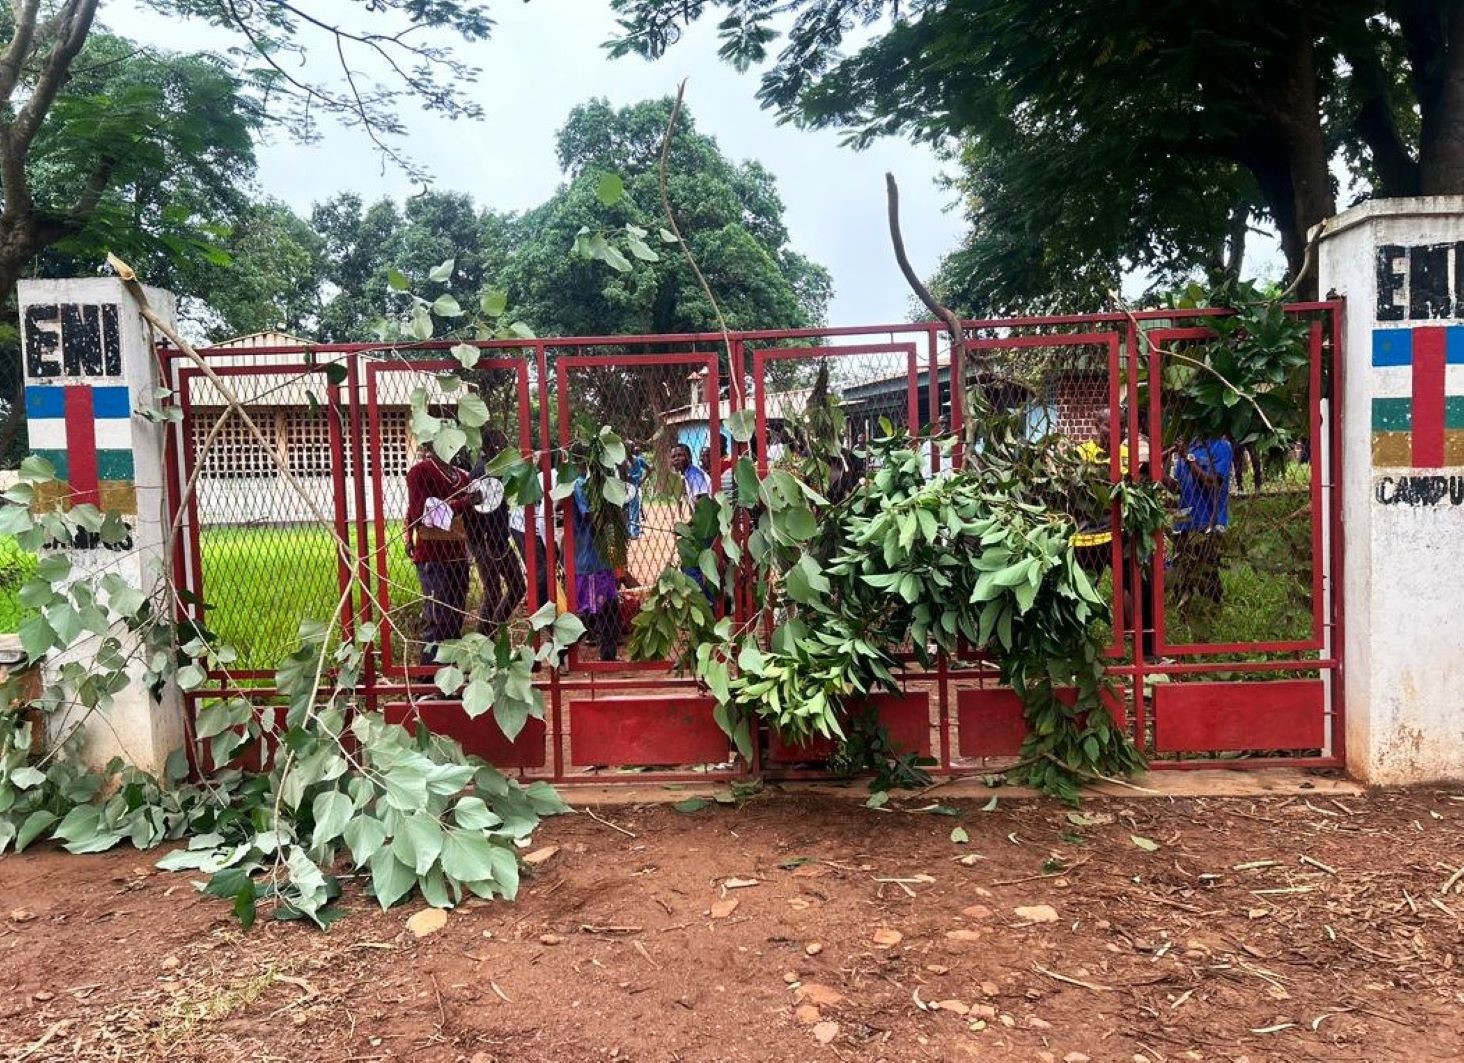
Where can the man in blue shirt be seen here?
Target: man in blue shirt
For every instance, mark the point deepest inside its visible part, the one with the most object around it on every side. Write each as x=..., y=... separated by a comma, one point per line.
x=1202, y=472
x=596, y=590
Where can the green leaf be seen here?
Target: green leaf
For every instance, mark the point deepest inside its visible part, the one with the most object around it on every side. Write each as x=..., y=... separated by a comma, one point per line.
x=466, y=354
x=31, y=829
x=1146, y=844
x=449, y=440
x=959, y=835
x=446, y=306
x=244, y=904
x=397, y=281
x=471, y=813
x=419, y=842
x=615, y=260
x=191, y=677
x=332, y=811
x=799, y=523
x=35, y=469
x=442, y=271
x=691, y=804
x=641, y=250
x=667, y=236
x=568, y=629
x=990, y=806
x=610, y=189
x=878, y=799
x=467, y=856
x=472, y=411
x=477, y=698
x=365, y=835
x=615, y=491
x=24, y=778
x=391, y=880
x=494, y=302
x=741, y=424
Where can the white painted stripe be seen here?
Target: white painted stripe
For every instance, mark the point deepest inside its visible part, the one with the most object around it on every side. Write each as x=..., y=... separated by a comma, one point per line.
x=114, y=434
x=49, y=433
x=1394, y=381
x=46, y=433
x=1454, y=380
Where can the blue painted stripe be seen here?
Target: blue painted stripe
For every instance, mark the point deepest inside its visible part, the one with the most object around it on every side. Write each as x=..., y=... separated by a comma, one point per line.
x=1392, y=346
x=44, y=401
x=111, y=402
x=1454, y=345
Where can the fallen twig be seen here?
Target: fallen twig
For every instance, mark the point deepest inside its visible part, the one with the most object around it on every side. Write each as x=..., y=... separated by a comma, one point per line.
x=1094, y=986
x=1318, y=865
x=612, y=826
x=1449, y=883
x=1046, y=874
x=586, y=928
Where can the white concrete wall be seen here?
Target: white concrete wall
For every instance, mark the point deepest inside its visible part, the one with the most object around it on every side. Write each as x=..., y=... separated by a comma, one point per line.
x=136, y=727
x=1404, y=646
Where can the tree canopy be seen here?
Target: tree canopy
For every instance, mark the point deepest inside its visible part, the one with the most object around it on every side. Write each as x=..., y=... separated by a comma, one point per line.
x=1104, y=132
x=730, y=213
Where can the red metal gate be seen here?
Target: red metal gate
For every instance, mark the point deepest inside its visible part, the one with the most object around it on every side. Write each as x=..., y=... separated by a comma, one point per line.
x=1251, y=678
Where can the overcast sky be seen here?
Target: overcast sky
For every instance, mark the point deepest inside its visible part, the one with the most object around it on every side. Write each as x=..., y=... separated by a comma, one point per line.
x=544, y=58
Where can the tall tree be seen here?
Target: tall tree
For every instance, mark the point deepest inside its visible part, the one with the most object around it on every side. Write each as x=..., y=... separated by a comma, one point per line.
x=1259, y=98
x=361, y=244
x=730, y=212
x=51, y=111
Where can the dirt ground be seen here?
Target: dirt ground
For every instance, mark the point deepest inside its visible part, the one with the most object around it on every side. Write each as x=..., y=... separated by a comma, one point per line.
x=799, y=928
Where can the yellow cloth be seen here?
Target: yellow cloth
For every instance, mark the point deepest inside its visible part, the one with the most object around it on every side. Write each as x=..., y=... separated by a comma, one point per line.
x=1092, y=452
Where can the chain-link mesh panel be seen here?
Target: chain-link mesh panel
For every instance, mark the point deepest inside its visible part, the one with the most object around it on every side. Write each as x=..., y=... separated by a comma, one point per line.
x=265, y=542
x=445, y=591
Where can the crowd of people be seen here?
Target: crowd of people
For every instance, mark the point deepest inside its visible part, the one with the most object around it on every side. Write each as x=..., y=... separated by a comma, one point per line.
x=458, y=520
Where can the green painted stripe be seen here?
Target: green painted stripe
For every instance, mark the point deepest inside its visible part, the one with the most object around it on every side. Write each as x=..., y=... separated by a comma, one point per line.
x=58, y=459
x=114, y=465
x=111, y=464
x=1454, y=411
x=1392, y=415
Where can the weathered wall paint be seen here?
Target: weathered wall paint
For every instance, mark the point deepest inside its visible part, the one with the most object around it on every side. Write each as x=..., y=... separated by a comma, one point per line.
x=88, y=366
x=1400, y=263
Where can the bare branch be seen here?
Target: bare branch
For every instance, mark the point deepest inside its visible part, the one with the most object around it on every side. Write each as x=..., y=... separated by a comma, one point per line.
x=12, y=60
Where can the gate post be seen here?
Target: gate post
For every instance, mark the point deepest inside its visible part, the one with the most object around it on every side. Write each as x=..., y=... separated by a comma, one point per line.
x=88, y=365
x=1400, y=264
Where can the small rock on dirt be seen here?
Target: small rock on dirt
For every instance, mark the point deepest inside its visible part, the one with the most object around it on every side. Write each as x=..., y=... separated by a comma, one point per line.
x=1038, y=913
x=819, y=994
x=825, y=1032
x=955, y=1007
x=790, y=977
x=963, y=937
x=807, y=1014
x=20, y=915
x=813, y=948
x=550, y=939
x=1075, y=1057
x=991, y=989
x=722, y=909
x=887, y=938
x=977, y=911
x=427, y=921
x=538, y=856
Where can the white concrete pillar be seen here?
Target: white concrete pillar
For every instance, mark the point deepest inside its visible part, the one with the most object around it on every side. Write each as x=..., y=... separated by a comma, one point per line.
x=89, y=364
x=1400, y=265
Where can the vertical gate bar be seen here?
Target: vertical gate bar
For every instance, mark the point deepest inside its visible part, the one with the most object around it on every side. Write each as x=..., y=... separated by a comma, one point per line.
x=194, y=540
x=337, y=443
x=1339, y=612
x=387, y=629
x=1314, y=437
x=174, y=442
x=551, y=541
x=356, y=424
x=912, y=392
x=1143, y=611
x=942, y=661
x=1116, y=471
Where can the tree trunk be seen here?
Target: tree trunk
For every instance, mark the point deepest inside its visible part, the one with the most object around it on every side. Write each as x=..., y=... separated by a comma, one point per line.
x=1441, y=106
x=1288, y=155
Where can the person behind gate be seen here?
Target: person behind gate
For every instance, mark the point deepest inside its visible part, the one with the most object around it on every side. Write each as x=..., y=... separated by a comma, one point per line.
x=437, y=542
x=488, y=541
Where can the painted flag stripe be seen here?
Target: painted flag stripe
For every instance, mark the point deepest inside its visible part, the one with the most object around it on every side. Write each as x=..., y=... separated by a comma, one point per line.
x=81, y=445
x=111, y=464
x=1428, y=398
x=1396, y=346
x=43, y=401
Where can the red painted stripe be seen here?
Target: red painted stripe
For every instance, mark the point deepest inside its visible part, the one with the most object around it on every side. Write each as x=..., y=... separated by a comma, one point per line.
x=1428, y=398
x=81, y=445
